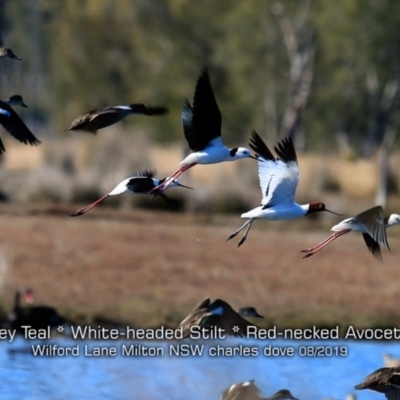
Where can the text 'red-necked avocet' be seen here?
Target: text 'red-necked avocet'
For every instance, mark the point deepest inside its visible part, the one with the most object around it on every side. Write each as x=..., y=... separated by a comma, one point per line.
x=218, y=314
x=279, y=178
x=100, y=118
x=142, y=183
x=202, y=129
x=7, y=52
x=13, y=124
x=371, y=223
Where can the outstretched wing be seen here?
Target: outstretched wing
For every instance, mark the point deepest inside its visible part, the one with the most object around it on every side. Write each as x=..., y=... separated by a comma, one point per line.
x=279, y=177
x=374, y=222
x=14, y=125
x=373, y=246
x=206, y=117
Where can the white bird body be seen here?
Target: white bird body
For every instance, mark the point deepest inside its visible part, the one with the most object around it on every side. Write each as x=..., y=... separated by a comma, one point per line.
x=202, y=129
x=216, y=152
x=279, y=178
x=124, y=186
x=371, y=223
x=357, y=226
x=349, y=223
x=120, y=188
x=278, y=212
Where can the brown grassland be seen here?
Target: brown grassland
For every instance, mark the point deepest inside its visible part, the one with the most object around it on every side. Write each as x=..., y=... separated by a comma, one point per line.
x=147, y=268
x=151, y=267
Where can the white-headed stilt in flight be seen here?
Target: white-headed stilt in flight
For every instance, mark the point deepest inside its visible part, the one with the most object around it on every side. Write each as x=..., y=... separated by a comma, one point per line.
x=202, y=128
x=142, y=183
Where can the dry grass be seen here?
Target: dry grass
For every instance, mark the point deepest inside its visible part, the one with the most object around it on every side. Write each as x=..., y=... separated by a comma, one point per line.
x=62, y=169
x=149, y=268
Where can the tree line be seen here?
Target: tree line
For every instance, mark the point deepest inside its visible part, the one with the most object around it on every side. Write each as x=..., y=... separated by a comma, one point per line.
x=323, y=72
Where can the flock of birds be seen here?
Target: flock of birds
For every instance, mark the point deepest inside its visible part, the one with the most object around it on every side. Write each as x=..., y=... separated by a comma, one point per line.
x=279, y=177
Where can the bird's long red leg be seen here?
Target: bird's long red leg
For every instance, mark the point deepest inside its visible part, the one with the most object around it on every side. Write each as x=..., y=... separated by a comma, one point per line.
x=324, y=243
x=89, y=207
x=160, y=188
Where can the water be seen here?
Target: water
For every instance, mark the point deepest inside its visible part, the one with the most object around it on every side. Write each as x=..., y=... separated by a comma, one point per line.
x=27, y=377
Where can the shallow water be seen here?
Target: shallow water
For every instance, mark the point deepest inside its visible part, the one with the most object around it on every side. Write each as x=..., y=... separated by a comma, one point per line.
x=122, y=377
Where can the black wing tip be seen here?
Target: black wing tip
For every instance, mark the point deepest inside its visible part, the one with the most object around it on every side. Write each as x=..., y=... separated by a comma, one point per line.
x=186, y=103
x=204, y=78
x=147, y=173
x=373, y=246
x=259, y=147
x=286, y=151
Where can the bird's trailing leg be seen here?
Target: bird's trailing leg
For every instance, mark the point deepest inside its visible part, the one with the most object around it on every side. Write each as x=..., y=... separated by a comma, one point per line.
x=89, y=207
x=247, y=223
x=242, y=240
x=320, y=246
x=160, y=188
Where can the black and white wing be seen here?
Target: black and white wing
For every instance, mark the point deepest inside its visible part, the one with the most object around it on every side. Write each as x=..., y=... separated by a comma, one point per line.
x=279, y=177
x=375, y=225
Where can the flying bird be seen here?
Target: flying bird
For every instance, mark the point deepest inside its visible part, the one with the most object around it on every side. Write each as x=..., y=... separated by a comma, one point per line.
x=141, y=183
x=279, y=178
x=100, y=118
x=7, y=52
x=383, y=380
x=371, y=223
x=13, y=124
x=219, y=314
x=202, y=129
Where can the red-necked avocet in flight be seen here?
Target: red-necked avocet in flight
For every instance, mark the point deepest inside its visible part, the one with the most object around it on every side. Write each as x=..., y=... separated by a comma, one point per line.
x=202, y=128
x=13, y=124
x=278, y=180
x=142, y=183
x=371, y=223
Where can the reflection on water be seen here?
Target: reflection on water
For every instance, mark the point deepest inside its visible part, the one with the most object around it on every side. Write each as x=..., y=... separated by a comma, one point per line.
x=123, y=376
